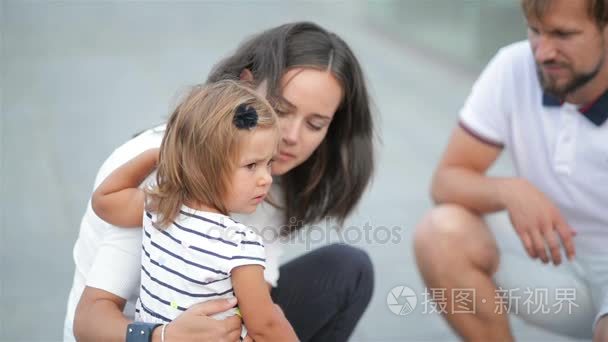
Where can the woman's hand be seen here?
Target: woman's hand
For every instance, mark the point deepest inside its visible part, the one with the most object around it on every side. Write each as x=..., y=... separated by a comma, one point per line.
x=196, y=325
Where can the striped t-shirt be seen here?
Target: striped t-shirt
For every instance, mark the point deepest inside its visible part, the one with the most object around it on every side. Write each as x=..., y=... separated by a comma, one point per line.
x=190, y=262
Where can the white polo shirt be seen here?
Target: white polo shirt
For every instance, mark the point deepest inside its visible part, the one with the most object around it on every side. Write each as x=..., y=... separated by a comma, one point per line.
x=561, y=149
x=109, y=258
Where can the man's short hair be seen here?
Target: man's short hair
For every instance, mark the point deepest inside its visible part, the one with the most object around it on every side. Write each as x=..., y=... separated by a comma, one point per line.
x=597, y=9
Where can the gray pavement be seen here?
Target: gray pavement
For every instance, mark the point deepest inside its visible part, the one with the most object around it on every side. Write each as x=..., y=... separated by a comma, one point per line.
x=79, y=78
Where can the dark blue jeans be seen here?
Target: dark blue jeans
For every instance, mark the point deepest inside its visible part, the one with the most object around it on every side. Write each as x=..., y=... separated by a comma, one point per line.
x=324, y=293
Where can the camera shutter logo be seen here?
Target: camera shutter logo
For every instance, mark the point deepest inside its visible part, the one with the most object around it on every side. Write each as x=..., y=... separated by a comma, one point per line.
x=401, y=300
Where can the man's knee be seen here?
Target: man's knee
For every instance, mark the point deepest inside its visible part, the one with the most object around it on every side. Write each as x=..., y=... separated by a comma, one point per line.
x=600, y=333
x=443, y=224
x=450, y=232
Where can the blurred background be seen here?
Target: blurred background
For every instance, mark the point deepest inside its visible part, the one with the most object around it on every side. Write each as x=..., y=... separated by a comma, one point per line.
x=79, y=78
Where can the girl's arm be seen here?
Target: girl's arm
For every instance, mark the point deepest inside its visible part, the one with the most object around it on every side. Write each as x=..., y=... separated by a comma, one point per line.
x=118, y=200
x=263, y=320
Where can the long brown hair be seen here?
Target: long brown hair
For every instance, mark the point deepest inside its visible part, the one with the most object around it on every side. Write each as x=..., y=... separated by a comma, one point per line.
x=200, y=148
x=331, y=182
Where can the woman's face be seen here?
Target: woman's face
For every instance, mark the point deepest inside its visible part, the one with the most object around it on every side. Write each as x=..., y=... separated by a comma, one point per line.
x=315, y=96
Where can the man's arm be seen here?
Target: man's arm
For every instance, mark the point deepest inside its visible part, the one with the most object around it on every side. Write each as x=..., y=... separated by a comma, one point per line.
x=99, y=318
x=460, y=179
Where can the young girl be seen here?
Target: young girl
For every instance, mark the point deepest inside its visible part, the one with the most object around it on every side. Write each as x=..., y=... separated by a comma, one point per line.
x=215, y=159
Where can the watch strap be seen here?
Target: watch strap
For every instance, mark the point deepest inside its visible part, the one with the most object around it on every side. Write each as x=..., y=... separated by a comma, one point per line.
x=140, y=331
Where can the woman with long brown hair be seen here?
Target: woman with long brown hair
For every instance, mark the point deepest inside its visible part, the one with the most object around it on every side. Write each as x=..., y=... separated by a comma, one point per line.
x=323, y=166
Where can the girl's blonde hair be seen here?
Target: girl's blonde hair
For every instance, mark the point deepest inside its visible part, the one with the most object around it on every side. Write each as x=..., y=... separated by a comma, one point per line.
x=200, y=149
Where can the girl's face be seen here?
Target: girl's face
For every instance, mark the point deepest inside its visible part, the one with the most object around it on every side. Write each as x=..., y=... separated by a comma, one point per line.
x=315, y=96
x=251, y=179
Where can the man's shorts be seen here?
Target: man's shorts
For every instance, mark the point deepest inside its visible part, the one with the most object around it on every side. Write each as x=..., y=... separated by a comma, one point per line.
x=568, y=299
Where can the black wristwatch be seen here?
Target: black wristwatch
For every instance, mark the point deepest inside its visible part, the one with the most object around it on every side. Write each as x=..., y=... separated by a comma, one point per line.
x=140, y=332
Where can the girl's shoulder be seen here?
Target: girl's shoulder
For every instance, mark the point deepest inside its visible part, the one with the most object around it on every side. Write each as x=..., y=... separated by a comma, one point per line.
x=213, y=225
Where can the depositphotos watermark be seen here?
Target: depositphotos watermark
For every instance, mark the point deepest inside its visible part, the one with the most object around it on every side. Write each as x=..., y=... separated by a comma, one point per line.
x=324, y=232
x=402, y=300
x=329, y=232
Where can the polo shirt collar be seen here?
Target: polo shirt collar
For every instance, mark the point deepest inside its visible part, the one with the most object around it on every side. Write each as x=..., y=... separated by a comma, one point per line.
x=596, y=112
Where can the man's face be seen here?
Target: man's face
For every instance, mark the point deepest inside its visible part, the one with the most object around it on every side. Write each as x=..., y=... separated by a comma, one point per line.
x=568, y=46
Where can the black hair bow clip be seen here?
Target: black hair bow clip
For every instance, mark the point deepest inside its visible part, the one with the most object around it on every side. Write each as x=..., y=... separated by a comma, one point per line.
x=245, y=117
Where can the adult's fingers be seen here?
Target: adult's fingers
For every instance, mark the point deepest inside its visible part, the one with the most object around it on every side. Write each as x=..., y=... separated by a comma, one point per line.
x=231, y=326
x=234, y=336
x=212, y=307
x=247, y=339
x=566, y=234
x=550, y=236
x=539, y=244
x=527, y=242
x=234, y=325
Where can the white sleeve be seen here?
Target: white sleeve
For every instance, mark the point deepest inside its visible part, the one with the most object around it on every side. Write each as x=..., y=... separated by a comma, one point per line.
x=116, y=265
x=485, y=113
x=249, y=250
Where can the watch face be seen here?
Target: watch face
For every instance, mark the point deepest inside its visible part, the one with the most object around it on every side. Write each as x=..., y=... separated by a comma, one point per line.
x=140, y=332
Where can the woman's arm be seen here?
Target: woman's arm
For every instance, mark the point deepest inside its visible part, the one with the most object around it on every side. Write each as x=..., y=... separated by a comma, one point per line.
x=99, y=318
x=93, y=304
x=264, y=321
x=118, y=200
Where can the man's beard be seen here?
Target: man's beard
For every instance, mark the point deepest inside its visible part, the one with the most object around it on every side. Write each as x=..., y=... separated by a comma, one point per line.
x=578, y=80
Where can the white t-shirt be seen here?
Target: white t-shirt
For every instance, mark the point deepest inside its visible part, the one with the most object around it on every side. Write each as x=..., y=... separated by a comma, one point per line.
x=556, y=147
x=109, y=258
